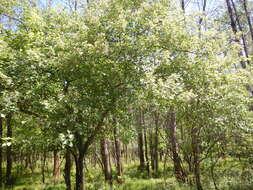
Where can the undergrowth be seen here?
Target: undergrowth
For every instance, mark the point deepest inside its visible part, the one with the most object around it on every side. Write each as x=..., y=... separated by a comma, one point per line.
x=134, y=179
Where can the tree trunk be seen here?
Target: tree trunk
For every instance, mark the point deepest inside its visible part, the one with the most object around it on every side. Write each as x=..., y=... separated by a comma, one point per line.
x=156, y=142
x=118, y=155
x=1, y=151
x=195, y=150
x=171, y=126
x=234, y=28
x=146, y=152
x=9, y=180
x=140, y=141
x=212, y=173
x=67, y=170
x=43, y=164
x=231, y=16
x=204, y=3
x=183, y=5
x=82, y=148
x=245, y=5
x=57, y=166
x=68, y=164
x=241, y=30
x=106, y=160
x=49, y=4
x=79, y=171
x=75, y=5
x=151, y=149
x=126, y=152
x=203, y=10
x=145, y=143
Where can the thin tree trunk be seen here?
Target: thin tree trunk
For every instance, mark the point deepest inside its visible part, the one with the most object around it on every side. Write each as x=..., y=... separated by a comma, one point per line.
x=241, y=30
x=203, y=10
x=67, y=169
x=145, y=143
x=106, y=160
x=9, y=152
x=79, y=161
x=231, y=16
x=183, y=5
x=75, y=5
x=1, y=151
x=195, y=149
x=57, y=166
x=201, y=17
x=31, y=164
x=68, y=164
x=140, y=141
x=156, y=142
x=245, y=5
x=171, y=127
x=151, y=149
x=212, y=172
x=118, y=155
x=43, y=164
x=234, y=28
x=146, y=152
x=126, y=153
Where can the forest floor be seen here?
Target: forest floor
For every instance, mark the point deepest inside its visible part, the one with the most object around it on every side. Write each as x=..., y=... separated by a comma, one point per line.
x=133, y=180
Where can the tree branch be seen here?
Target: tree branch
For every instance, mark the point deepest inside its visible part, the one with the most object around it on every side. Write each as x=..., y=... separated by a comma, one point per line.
x=16, y=19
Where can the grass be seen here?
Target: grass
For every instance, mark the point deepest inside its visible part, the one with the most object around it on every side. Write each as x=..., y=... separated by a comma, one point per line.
x=137, y=180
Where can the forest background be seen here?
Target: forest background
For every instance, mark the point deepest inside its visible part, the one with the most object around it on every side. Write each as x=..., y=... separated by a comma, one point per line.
x=126, y=94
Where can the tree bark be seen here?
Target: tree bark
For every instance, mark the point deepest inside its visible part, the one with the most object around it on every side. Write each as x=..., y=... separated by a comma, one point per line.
x=171, y=127
x=79, y=161
x=57, y=166
x=145, y=143
x=106, y=160
x=126, y=152
x=140, y=141
x=118, y=155
x=9, y=155
x=67, y=169
x=245, y=5
x=156, y=142
x=43, y=164
x=1, y=151
x=68, y=164
x=141, y=150
x=234, y=27
x=203, y=10
x=183, y=5
x=195, y=149
x=75, y=5
x=151, y=149
x=241, y=30
x=82, y=148
x=231, y=16
x=146, y=152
